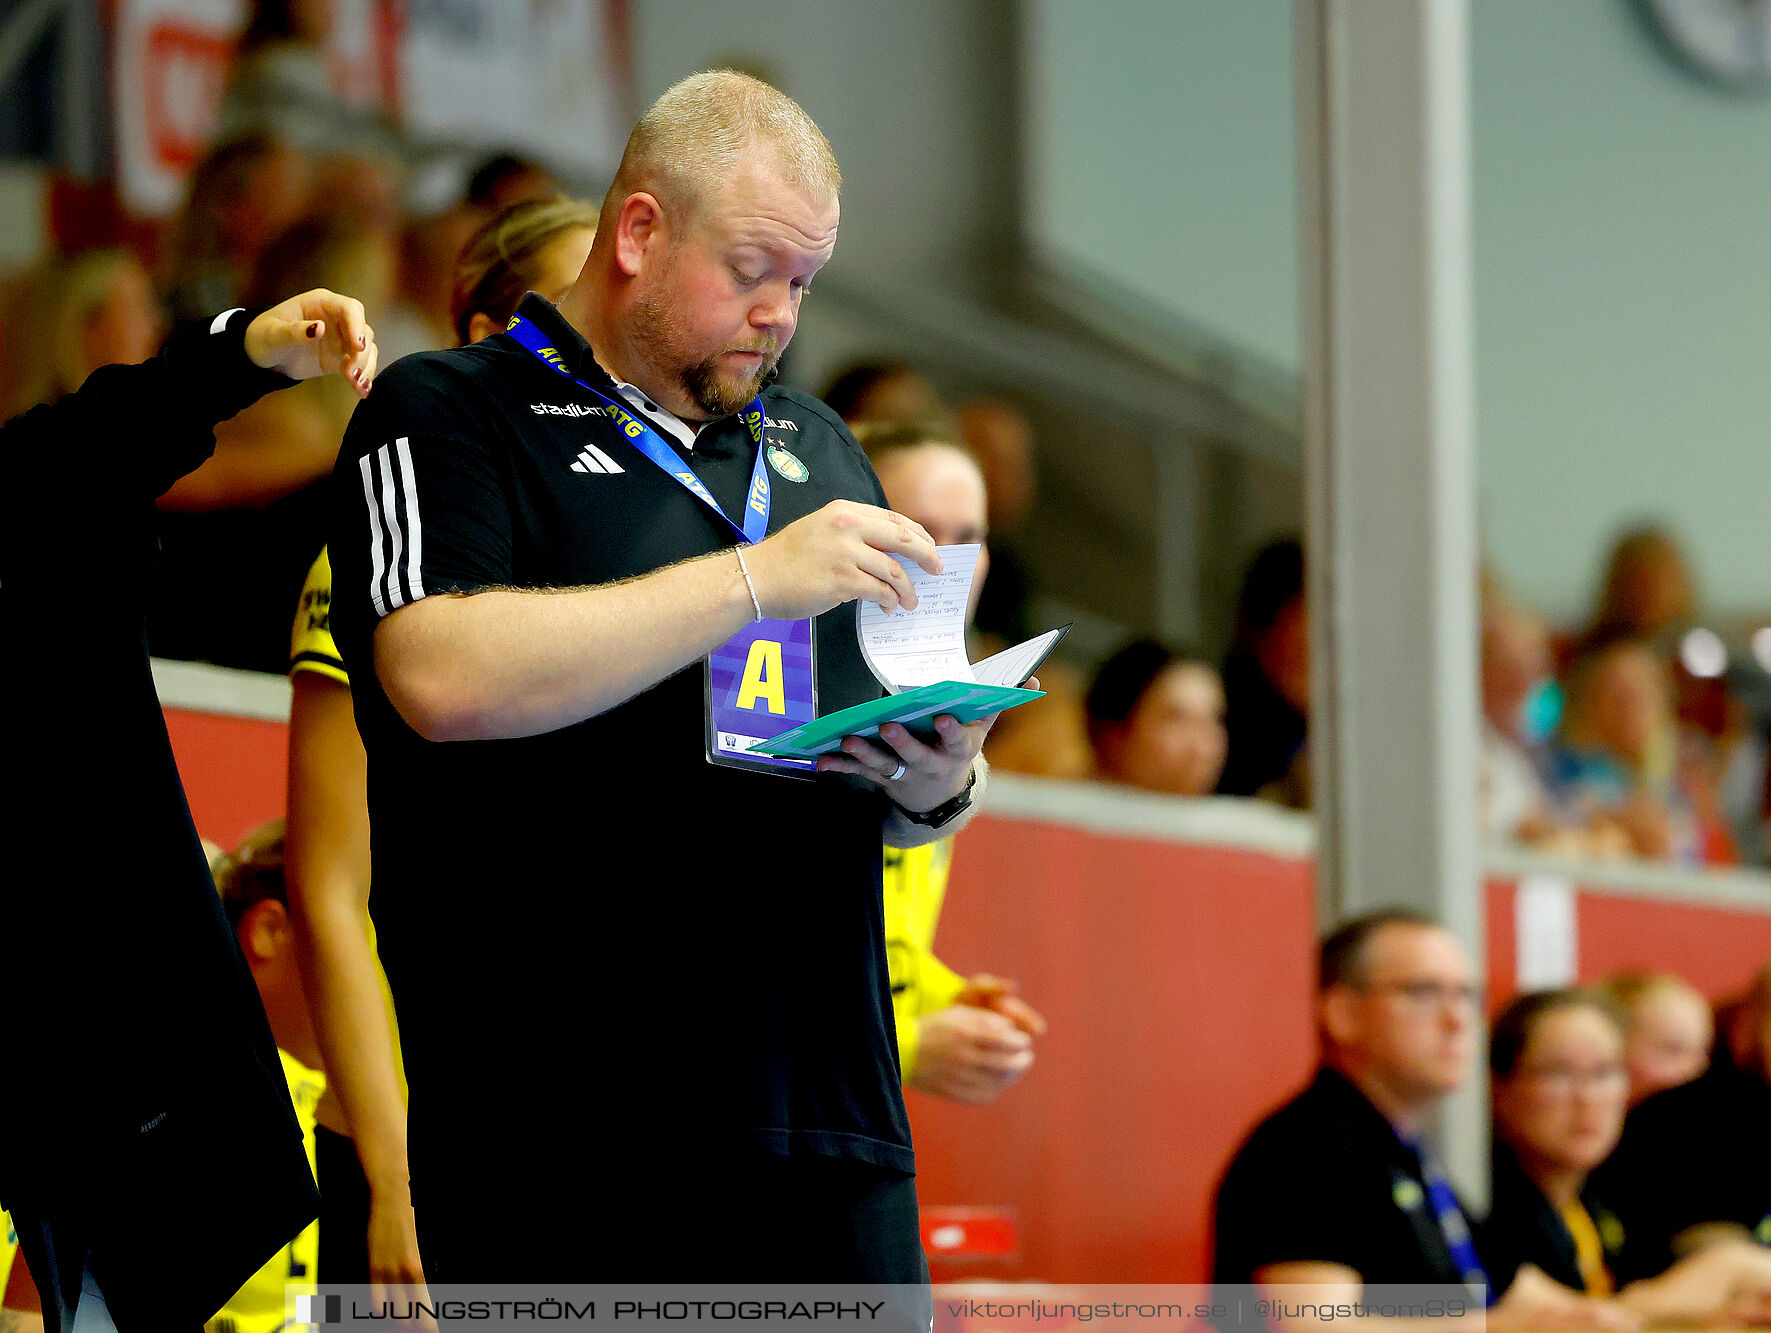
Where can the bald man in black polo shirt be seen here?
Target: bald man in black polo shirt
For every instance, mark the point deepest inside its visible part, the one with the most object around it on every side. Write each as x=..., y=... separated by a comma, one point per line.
x=663, y=965
x=1339, y=1187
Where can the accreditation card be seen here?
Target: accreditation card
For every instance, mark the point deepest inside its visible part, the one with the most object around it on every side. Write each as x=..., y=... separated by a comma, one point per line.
x=761, y=682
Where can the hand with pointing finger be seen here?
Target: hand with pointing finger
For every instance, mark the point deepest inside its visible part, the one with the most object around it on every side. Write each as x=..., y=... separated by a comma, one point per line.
x=316, y=333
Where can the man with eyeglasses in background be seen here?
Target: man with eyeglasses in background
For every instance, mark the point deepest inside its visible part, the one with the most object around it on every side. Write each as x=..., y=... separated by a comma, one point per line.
x=1340, y=1187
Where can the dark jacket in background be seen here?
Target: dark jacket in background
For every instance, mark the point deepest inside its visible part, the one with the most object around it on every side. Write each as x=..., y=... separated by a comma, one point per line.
x=147, y=1091
x=1265, y=731
x=1523, y=1227
x=1693, y=1154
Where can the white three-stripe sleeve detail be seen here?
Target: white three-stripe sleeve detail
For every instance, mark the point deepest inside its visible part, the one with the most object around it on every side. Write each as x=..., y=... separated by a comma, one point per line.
x=414, y=527
x=393, y=513
x=376, y=535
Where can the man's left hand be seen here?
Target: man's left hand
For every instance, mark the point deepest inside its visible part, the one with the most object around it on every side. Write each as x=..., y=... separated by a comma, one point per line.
x=916, y=775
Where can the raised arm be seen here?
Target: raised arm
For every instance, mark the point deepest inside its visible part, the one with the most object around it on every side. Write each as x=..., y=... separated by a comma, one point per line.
x=134, y=430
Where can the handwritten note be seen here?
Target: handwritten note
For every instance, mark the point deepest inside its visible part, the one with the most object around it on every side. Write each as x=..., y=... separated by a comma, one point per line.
x=926, y=644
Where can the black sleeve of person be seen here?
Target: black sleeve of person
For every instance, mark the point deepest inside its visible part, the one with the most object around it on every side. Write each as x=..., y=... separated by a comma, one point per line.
x=422, y=505
x=131, y=431
x=1687, y=1156
x=1280, y=1202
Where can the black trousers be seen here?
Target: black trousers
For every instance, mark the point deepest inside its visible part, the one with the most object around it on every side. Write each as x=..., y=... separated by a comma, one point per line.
x=799, y=1219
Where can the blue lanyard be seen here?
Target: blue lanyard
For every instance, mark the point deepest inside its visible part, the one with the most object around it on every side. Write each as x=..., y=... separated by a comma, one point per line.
x=641, y=435
x=1451, y=1221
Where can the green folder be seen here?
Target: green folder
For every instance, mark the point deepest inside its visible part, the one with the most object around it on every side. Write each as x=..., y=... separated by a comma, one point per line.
x=967, y=702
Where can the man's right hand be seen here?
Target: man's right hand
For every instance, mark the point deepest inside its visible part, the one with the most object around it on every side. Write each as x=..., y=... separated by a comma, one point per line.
x=967, y=1054
x=840, y=554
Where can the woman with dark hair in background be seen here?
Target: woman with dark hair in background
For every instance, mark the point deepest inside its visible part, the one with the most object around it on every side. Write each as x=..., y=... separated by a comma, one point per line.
x=1156, y=720
x=1560, y=1087
x=1267, y=680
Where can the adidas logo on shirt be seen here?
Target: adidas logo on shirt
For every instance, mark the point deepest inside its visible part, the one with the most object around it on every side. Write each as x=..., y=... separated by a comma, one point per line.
x=593, y=459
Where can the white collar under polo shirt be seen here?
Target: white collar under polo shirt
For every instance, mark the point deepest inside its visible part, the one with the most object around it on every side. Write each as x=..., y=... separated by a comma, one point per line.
x=640, y=401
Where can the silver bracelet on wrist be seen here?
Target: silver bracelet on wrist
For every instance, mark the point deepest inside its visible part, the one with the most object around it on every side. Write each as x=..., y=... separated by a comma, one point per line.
x=745, y=571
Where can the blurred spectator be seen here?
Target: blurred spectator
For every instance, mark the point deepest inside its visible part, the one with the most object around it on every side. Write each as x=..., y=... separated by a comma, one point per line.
x=1340, y=1187
x=1647, y=591
x=1668, y=1030
x=1267, y=681
x=1649, y=594
x=1694, y=1164
x=506, y=179
x=256, y=897
x=535, y=245
x=1001, y=438
x=281, y=85
x=1613, y=759
x=1156, y=720
x=243, y=194
x=239, y=533
x=437, y=229
x=885, y=391
x=73, y=316
x=1516, y=670
x=1560, y=1082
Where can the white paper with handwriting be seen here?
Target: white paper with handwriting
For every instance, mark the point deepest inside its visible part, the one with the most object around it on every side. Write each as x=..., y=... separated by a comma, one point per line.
x=926, y=645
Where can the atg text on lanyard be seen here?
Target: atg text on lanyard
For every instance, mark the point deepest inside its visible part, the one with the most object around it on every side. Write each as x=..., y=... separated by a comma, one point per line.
x=647, y=441
x=763, y=680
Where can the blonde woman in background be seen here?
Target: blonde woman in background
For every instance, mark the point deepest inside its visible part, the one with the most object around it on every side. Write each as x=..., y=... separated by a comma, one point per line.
x=73, y=315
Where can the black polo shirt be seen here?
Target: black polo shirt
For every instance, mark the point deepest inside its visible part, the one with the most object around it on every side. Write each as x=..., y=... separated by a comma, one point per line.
x=1326, y=1179
x=1693, y=1154
x=603, y=949
x=1523, y=1227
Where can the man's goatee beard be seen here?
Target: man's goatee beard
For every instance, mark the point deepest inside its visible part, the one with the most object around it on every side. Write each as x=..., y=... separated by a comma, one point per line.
x=717, y=396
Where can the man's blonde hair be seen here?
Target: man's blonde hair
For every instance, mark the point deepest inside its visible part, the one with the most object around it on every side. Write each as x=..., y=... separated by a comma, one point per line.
x=694, y=135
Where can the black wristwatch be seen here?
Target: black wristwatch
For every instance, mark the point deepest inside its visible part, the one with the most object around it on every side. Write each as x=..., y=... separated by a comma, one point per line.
x=947, y=810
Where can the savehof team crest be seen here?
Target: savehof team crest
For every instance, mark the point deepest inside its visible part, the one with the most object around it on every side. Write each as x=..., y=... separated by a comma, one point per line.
x=786, y=464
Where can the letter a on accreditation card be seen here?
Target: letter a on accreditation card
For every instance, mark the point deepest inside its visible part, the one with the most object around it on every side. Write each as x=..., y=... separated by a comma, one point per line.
x=760, y=683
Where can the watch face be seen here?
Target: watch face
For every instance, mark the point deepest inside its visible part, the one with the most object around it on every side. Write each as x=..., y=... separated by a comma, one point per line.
x=1725, y=42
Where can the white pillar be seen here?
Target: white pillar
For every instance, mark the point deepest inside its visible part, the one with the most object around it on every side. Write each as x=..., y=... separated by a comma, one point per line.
x=1384, y=150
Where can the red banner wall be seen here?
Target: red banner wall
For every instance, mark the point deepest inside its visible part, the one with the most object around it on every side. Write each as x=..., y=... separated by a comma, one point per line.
x=1176, y=977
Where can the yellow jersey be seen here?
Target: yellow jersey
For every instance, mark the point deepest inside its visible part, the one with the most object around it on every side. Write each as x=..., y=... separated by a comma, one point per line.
x=312, y=648
x=915, y=884
x=8, y=1249
x=259, y=1305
